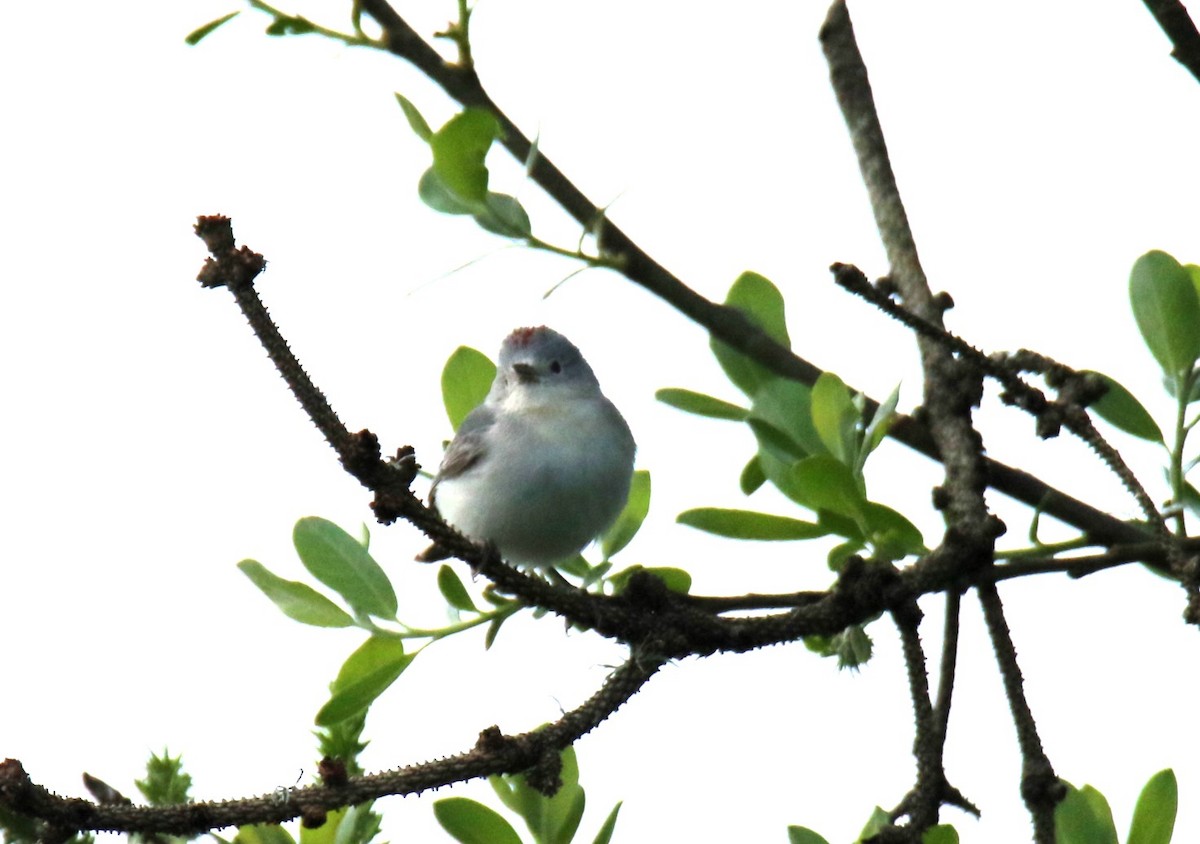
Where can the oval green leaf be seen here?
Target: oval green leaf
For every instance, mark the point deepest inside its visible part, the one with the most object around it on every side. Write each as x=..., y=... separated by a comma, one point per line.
x=470, y=822
x=338, y=560
x=1167, y=309
x=940, y=834
x=415, y=121
x=752, y=476
x=787, y=405
x=459, y=149
x=804, y=835
x=834, y=416
x=466, y=379
x=821, y=482
x=434, y=193
x=504, y=215
x=364, y=676
x=452, y=589
x=1083, y=817
x=637, y=506
x=747, y=524
x=1119, y=408
x=1154, y=815
x=604, y=836
x=700, y=404
x=891, y=535
x=881, y=422
x=762, y=303
x=297, y=600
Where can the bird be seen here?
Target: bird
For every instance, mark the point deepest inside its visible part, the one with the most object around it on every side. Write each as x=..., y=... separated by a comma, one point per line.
x=543, y=466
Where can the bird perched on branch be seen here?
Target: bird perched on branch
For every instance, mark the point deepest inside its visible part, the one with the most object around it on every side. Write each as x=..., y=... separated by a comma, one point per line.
x=543, y=466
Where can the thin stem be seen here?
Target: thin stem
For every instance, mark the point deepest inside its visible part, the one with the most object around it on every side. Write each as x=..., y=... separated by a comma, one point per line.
x=1175, y=471
x=436, y=633
x=359, y=39
x=1049, y=549
x=949, y=664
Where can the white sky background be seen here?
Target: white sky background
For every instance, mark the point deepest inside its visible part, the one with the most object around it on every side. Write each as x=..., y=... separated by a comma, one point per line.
x=147, y=445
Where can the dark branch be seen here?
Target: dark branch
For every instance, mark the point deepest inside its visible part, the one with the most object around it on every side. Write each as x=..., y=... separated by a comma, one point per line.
x=1040, y=788
x=1079, y=389
x=1177, y=24
x=953, y=386
x=535, y=753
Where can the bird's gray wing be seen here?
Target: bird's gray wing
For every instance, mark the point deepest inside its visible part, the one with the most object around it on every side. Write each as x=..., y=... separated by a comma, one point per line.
x=467, y=448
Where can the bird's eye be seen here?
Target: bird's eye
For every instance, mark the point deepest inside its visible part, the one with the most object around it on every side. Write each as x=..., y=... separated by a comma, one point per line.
x=555, y=367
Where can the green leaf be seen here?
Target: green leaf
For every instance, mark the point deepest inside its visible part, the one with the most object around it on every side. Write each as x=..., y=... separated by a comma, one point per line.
x=453, y=590
x=559, y=816
x=781, y=420
x=493, y=630
x=892, y=535
x=1154, y=814
x=1119, y=408
x=630, y=521
x=752, y=476
x=852, y=646
x=338, y=560
x=551, y=820
x=773, y=444
x=821, y=482
x=504, y=215
x=747, y=524
x=700, y=404
x=1167, y=309
x=878, y=821
x=881, y=422
x=940, y=834
x=471, y=822
x=415, y=121
x=834, y=416
x=459, y=149
x=804, y=835
x=263, y=833
x=436, y=195
x=352, y=825
x=466, y=379
x=762, y=303
x=165, y=784
x=364, y=676
x=344, y=741
x=1083, y=817
x=197, y=35
x=297, y=600
x=604, y=836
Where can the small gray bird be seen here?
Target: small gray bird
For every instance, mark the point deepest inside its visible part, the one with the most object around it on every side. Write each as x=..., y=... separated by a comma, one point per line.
x=543, y=466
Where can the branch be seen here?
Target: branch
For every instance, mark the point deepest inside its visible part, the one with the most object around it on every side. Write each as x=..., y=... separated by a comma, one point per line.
x=724, y=323
x=1076, y=390
x=1177, y=24
x=1040, y=787
x=952, y=387
x=536, y=753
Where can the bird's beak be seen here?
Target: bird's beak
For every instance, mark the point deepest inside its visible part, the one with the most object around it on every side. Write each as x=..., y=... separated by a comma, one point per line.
x=526, y=373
